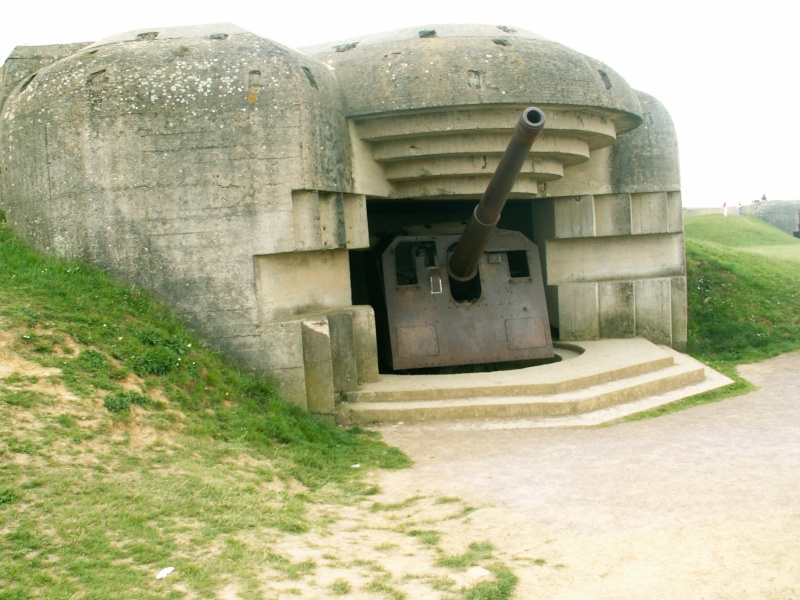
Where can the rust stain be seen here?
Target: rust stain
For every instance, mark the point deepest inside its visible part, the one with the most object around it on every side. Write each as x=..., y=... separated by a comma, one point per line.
x=253, y=95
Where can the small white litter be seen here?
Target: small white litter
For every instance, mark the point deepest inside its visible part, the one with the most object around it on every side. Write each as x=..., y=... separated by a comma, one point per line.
x=471, y=577
x=164, y=572
x=479, y=574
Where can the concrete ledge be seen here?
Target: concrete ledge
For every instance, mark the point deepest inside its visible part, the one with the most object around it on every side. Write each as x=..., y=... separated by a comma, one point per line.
x=610, y=379
x=588, y=363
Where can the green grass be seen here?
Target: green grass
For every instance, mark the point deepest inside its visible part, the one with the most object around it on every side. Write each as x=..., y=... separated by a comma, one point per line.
x=430, y=538
x=340, y=587
x=746, y=234
x=141, y=449
x=501, y=588
x=743, y=278
x=476, y=553
x=125, y=331
x=130, y=448
x=744, y=292
x=741, y=232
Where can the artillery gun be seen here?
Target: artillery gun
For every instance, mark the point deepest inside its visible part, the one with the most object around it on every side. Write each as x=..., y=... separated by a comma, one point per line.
x=473, y=297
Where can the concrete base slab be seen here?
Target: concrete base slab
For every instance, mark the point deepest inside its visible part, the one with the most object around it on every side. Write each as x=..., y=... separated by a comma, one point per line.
x=596, y=382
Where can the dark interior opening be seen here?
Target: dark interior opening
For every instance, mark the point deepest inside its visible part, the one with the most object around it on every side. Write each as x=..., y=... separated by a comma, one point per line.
x=406, y=256
x=466, y=291
x=518, y=264
x=389, y=218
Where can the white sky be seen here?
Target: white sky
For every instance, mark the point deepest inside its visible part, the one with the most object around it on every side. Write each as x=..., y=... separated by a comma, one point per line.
x=728, y=73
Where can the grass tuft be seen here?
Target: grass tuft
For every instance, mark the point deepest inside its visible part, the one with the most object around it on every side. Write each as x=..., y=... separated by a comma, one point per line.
x=476, y=553
x=427, y=537
x=501, y=588
x=121, y=402
x=340, y=587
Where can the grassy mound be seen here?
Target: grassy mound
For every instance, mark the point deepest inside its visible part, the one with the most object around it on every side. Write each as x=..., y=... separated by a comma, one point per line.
x=744, y=289
x=125, y=443
x=739, y=231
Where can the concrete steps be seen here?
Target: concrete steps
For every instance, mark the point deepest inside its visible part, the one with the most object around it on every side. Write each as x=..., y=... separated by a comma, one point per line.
x=605, y=377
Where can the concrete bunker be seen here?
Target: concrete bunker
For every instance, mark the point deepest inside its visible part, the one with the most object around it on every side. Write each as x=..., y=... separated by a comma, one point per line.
x=244, y=181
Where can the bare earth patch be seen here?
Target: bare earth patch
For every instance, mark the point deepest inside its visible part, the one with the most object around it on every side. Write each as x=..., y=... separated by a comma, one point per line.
x=11, y=362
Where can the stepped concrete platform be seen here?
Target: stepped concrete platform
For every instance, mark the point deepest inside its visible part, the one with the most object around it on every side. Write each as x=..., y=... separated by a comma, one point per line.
x=595, y=382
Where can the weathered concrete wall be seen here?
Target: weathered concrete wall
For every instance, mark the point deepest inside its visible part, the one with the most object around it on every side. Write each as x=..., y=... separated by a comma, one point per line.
x=434, y=107
x=615, y=256
x=191, y=162
x=783, y=214
x=24, y=61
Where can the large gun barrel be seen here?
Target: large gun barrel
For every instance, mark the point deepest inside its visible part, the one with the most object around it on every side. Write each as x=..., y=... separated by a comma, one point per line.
x=463, y=263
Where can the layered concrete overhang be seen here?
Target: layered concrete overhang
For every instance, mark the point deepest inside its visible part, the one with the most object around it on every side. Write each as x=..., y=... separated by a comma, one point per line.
x=436, y=105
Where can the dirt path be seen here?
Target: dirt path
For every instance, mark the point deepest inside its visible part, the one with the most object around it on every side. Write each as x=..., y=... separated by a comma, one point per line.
x=700, y=504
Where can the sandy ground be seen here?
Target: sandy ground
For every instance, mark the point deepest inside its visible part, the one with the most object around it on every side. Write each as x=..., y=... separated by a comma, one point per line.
x=700, y=504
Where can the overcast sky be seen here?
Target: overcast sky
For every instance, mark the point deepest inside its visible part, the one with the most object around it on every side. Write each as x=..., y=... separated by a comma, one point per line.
x=728, y=73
